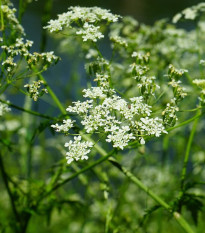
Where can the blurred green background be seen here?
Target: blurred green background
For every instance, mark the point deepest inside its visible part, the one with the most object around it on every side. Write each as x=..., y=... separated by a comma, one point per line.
x=80, y=207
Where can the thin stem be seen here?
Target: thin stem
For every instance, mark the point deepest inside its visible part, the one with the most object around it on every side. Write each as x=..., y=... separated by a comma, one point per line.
x=5, y=179
x=44, y=19
x=188, y=148
x=28, y=111
x=102, y=159
x=2, y=17
x=53, y=95
x=198, y=115
x=21, y=10
x=182, y=222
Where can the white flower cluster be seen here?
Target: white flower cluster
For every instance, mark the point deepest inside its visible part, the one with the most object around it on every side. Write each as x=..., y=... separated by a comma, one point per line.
x=10, y=18
x=3, y=107
x=151, y=126
x=190, y=13
x=202, y=62
x=78, y=149
x=201, y=84
x=146, y=84
x=117, y=117
x=141, y=57
x=104, y=112
x=67, y=124
x=95, y=92
x=9, y=64
x=119, y=41
x=21, y=48
x=91, y=53
x=33, y=89
x=90, y=32
x=138, y=70
x=174, y=74
x=85, y=20
x=169, y=114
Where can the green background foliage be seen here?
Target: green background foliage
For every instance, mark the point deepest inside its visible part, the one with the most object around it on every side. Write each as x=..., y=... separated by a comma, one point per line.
x=140, y=189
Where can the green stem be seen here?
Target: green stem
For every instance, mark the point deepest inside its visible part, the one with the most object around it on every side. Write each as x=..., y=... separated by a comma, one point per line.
x=5, y=179
x=44, y=19
x=21, y=10
x=102, y=159
x=198, y=115
x=2, y=18
x=27, y=110
x=53, y=95
x=182, y=222
x=188, y=148
x=3, y=88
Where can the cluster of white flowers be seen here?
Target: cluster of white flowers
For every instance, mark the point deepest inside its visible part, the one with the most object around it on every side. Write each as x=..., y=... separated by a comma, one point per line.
x=201, y=84
x=10, y=18
x=151, y=126
x=67, y=124
x=33, y=89
x=120, y=137
x=118, y=41
x=138, y=70
x=78, y=149
x=190, y=13
x=21, y=48
x=147, y=85
x=90, y=32
x=95, y=92
x=4, y=107
x=169, y=113
x=202, y=62
x=177, y=73
x=105, y=112
x=91, y=53
x=85, y=20
x=174, y=75
x=141, y=57
x=9, y=64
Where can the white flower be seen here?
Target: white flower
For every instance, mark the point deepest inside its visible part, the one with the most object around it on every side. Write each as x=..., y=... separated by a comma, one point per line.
x=80, y=107
x=95, y=92
x=91, y=53
x=202, y=62
x=152, y=126
x=88, y=16
x=200, y=83
x=90, y=32
x=34, y=89
x=84, y=14
x=120, y=137
x=119, y=40
x=138, y=107
x=78, y=149
x=67, y=124
x=4, y=108
x=142, y=141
